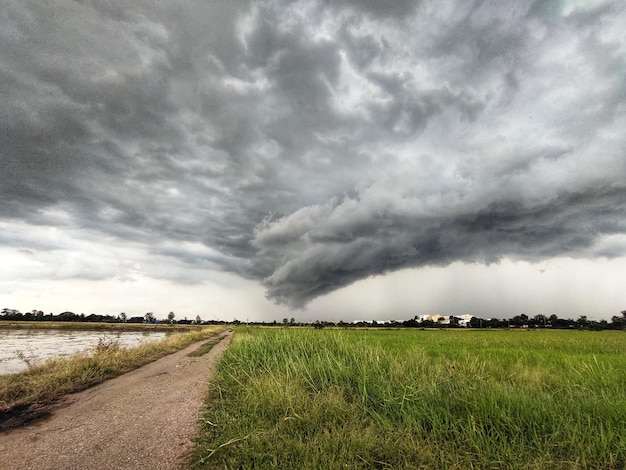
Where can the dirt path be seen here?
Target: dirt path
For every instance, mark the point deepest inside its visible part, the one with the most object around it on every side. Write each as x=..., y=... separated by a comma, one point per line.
x=141, y=420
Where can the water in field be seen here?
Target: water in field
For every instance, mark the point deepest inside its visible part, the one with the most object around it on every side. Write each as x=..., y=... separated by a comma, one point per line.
x=18, y=348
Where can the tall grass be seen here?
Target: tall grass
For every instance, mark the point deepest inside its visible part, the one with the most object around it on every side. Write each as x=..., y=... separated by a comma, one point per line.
x=44, y=383
x=417, y=399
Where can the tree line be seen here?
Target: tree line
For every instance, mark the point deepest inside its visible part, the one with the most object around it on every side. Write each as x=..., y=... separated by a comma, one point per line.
x=38, y=315
x=618, y=322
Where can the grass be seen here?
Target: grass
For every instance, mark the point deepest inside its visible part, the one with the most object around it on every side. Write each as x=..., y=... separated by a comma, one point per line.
x=417, y=399
x=22, y=395
x=204, y=348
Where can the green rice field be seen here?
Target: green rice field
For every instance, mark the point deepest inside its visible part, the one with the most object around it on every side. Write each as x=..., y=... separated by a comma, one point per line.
x=449, y=399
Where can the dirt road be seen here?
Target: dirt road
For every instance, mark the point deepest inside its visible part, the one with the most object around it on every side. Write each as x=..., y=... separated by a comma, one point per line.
x=144, y=419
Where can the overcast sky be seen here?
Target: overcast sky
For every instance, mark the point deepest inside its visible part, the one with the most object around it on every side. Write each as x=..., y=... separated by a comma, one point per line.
x=336, y=159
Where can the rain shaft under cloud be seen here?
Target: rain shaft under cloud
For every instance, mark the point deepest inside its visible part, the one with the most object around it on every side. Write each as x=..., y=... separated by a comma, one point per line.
x=308, y=145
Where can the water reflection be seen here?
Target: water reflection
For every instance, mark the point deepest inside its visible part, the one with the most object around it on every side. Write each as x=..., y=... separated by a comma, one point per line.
x=20, y=347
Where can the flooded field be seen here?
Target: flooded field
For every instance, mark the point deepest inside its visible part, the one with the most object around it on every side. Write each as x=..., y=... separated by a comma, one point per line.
x=18, y=348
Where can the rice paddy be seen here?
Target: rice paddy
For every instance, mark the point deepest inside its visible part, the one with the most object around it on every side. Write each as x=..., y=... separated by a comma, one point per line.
x=454, y=399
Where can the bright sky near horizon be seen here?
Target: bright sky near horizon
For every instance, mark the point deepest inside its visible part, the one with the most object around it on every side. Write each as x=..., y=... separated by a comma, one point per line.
x=343, y=160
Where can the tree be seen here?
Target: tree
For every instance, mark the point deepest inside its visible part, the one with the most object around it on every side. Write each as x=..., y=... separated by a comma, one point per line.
x=582, y=321
x=123, y=317
x=285, y=321
x=170, y=317
x=292, y=321
x=149, y=317
x=619, y=323
x=519, y=320
x=198, y=320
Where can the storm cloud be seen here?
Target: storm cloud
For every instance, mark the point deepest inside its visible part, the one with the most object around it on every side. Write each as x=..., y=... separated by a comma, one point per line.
x=311, y=144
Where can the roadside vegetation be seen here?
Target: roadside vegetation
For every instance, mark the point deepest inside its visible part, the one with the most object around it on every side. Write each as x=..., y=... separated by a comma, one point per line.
x=26, y=395
x=204, y=348
x=305, y=398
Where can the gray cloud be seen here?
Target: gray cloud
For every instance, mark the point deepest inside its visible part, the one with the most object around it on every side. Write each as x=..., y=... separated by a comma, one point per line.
x=318, y=249
x=312, y=144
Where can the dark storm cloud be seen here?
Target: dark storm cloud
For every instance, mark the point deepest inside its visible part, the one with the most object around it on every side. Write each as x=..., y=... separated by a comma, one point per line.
x=320, y=248
x=312, y=144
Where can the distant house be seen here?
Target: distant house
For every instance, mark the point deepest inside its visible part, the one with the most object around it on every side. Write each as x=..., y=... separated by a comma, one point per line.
x=463, y=320
x=441, y=319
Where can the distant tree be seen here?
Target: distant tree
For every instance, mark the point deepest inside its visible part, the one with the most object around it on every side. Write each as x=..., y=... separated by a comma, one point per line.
x=123, y=317
x=198, y=320
x=285, y=321
x=519, y=320
x=318, y=325
x=68, y=316
x=539, y=321
x=292, y=321
x=149, y=317
x=617, y=322
x=598, y=326
x=92, y=317
x=36, y=314
x=582, y=321
x=412, y=323
x=170, y=317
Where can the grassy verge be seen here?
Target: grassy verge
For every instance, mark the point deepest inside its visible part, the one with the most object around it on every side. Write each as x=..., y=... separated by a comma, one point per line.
x=26, y=395
x=204, y=348
x=417, y=399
